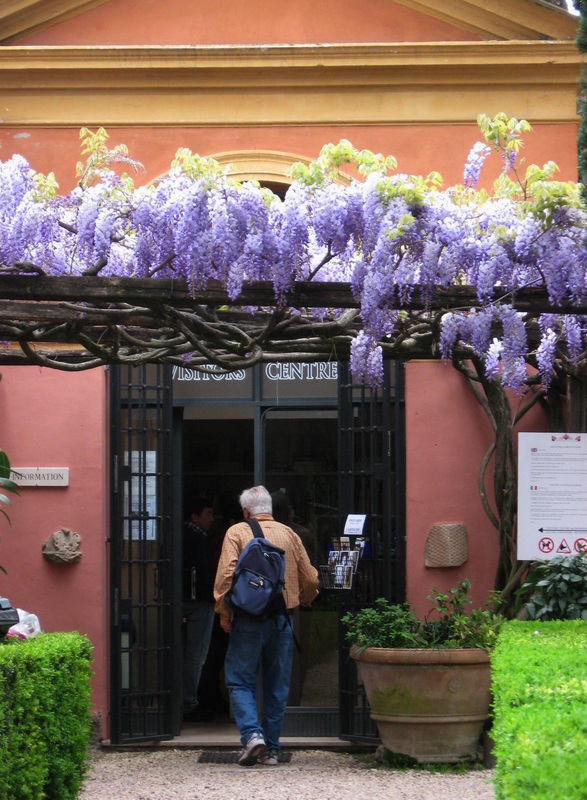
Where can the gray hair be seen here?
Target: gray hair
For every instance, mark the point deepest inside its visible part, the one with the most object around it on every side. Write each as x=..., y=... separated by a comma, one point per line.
x=256, y=500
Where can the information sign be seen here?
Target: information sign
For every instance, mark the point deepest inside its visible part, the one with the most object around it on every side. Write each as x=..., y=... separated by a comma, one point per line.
x=552, y=495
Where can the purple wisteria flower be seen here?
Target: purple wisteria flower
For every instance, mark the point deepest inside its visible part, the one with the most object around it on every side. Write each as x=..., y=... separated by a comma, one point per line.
x=546, y=355
x=475, y=161
x=366, y=360
x=509, y=160
x=389, y=238
x=493, y=359
x=574, y=333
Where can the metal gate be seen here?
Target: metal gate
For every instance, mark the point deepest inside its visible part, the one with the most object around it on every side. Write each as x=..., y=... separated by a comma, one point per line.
x=372, y=482
x=143, y=644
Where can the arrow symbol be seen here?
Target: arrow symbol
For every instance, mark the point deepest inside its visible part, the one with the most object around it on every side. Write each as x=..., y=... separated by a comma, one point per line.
x=562, y=530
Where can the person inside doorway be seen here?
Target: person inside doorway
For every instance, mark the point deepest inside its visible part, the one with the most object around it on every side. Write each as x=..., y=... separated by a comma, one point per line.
x=198, y=603
x=265, y=641
x=284, y=513
x=212, y=695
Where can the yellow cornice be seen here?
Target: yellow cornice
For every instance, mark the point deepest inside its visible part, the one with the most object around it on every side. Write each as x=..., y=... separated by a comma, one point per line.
x=501, y=19
x=23, y=17
x=142, y=58
x=309, y=85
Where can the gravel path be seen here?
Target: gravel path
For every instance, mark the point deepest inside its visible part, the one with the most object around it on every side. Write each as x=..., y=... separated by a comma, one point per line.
x=311, y=775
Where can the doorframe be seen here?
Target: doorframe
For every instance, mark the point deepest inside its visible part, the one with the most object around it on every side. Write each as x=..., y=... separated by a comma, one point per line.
x=259, y=408
x=381, y=460
x=144, y=394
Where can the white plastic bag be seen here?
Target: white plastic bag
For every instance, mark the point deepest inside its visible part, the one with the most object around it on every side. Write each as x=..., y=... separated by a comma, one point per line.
x=27, y=627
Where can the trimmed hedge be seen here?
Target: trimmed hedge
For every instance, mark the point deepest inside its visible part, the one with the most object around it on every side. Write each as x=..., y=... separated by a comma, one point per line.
x=540, y=710
x=44, y=716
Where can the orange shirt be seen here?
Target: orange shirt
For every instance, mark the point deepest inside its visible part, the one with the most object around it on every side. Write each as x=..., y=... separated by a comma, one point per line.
x=301, y=579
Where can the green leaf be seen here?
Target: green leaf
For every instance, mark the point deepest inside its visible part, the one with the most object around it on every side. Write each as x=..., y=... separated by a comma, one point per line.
x=9, y=485
x=4, y=465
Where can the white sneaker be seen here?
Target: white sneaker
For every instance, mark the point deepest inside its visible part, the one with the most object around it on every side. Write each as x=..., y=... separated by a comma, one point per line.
x=251, y=751
x=269, y=758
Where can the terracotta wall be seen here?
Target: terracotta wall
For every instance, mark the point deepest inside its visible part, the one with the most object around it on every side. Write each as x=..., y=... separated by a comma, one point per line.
x=447, y=436
x=124, y=22
x=418, y=149
x=55, y=419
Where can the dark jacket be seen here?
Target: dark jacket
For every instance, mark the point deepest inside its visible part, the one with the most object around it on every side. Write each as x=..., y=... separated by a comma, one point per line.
x=196, y=554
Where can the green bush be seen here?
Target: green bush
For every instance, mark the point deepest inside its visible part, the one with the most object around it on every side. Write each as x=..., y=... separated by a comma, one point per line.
x=448, y=625
x=556, y=589
x=540, y=710
x=44, y=716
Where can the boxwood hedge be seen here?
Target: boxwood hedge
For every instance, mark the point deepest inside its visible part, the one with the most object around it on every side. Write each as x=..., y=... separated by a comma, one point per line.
x=44, y=716
x=540, y=710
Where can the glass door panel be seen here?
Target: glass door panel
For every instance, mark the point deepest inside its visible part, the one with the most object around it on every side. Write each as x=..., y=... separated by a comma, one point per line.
x=301, y=461
x=218, y=464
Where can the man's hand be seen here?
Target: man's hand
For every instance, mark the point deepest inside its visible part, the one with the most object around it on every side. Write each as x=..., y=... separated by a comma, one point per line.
x=226, y=625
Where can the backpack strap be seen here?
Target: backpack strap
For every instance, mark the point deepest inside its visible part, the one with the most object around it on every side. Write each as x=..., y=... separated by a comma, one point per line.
x=256, y=528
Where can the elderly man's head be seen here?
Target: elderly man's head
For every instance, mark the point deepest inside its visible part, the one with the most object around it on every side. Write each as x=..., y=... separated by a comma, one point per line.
x=256, y=500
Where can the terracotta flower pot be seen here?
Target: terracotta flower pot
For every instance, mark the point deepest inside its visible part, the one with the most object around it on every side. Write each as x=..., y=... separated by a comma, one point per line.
x=427, y=704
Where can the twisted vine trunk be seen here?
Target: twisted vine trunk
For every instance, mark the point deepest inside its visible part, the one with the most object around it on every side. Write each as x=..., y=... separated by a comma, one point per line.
x=502, y=509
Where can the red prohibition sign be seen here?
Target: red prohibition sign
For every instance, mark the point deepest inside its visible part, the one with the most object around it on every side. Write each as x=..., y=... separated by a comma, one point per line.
x=545, y=545
x=580, y=545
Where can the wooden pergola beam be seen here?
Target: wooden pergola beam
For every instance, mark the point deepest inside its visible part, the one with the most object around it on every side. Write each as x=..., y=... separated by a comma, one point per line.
x=152, y=292
x=69, y=322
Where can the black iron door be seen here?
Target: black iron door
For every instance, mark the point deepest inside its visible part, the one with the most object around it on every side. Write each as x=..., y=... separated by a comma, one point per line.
x=372, y=482
x=144, y=629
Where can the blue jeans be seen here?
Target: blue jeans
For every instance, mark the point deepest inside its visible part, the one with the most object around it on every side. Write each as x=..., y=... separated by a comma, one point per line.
x=199, y=620
x=256, y=644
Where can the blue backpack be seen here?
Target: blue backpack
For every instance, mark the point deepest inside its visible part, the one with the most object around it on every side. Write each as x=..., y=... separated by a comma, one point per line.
x=259, y=577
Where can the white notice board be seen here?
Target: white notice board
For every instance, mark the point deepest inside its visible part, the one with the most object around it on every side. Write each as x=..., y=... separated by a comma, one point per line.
x=552, y=495
x=143, y=495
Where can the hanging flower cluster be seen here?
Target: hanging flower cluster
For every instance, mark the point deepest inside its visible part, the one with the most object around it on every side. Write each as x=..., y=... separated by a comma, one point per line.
x=387, y=235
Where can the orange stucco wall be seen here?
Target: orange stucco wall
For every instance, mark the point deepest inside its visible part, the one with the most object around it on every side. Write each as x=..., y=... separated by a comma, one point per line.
x=447, y=436
x=55, y=419
x=418, y=149
x=257, y=22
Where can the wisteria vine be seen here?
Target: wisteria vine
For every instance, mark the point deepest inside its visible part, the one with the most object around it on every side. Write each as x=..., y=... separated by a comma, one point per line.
x=385, y=234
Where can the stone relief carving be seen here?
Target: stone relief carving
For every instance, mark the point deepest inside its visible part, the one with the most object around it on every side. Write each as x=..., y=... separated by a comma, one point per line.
x=63, y=547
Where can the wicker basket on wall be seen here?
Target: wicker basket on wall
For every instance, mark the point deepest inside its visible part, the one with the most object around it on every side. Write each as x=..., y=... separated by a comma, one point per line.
x=446, y=545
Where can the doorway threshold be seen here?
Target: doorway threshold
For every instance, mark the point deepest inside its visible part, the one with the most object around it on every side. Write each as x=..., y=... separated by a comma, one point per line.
x=224, y=735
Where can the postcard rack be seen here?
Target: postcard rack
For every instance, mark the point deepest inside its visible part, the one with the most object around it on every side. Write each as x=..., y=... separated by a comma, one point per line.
x=343, y=561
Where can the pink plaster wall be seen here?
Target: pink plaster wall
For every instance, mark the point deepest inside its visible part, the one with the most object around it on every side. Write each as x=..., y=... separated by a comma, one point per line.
x=447, y=435
x=55, y=419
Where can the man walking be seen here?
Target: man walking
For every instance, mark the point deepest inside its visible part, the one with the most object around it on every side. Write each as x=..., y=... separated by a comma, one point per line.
x=259, y=642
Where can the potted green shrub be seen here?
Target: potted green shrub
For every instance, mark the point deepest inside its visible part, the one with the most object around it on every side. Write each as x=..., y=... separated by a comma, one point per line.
x=428, y=682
